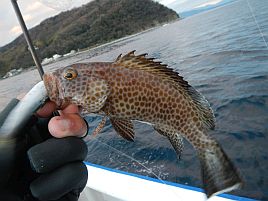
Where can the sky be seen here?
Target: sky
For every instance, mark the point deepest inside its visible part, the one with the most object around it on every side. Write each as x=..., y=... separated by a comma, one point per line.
x=35, y=11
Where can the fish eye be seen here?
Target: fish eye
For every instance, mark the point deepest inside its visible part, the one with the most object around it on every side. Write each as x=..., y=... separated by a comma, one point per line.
x=70, y=74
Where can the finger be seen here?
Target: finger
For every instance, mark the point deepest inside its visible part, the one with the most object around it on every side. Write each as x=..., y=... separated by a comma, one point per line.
x=47, y=109
x=67, y=125
x=71, y=109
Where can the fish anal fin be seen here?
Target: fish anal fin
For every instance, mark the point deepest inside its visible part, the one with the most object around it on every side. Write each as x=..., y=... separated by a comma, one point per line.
x=124, y=128
x=161, y=132
x=175, y=139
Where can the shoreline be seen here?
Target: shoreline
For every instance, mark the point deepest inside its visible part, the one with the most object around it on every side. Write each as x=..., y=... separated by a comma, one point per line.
x=93, y=48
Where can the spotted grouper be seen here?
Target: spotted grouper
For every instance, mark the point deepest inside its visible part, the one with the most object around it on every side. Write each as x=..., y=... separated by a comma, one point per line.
x=139, y=88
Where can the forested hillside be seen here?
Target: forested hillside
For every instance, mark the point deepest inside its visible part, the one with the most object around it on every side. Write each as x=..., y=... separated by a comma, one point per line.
x=95, y=23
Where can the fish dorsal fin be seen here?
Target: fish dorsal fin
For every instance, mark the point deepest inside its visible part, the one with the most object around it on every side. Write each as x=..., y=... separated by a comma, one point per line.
x=140, y=62
x=124, y=128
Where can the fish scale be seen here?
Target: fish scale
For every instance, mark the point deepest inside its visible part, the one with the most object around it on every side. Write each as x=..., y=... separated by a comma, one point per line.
x=138, y=88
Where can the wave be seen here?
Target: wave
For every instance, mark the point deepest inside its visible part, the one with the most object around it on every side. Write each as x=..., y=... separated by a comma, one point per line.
x=251, y=55
x=253, y=80
x=258, y=101
x=241, y=51
x=247, y=135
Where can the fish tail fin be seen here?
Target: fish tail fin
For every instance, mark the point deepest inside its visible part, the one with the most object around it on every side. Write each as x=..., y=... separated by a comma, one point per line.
x=218, y=173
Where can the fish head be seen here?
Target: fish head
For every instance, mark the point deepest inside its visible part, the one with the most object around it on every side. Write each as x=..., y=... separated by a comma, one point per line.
x=77, y=84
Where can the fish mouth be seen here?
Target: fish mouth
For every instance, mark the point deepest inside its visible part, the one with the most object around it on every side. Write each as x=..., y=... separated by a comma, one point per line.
x=52, y=87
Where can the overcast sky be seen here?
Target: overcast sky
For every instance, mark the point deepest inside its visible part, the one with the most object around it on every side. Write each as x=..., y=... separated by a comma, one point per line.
x=35, y=11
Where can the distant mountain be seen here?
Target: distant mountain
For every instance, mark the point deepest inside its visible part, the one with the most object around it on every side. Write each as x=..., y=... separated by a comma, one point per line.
x=97, y=22
x=188, y=13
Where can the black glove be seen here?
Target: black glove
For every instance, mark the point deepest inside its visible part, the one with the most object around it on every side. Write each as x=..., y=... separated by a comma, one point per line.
x=34, y=166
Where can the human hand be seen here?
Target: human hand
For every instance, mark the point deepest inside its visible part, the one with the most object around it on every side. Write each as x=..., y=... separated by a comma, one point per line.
x=69, y=123
x=57, y=171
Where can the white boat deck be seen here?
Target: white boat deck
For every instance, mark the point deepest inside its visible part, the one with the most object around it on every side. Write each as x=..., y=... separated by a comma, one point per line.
x=105, y=184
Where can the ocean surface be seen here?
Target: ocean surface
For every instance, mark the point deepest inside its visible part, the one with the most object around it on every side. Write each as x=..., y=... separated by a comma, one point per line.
x=223, y=53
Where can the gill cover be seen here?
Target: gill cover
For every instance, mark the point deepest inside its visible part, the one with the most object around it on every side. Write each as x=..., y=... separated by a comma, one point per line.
x=73, y=84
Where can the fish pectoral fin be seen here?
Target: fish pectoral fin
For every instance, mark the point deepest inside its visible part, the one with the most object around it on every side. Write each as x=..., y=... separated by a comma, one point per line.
x=175, y=139
x=124, y=128
x=100, y=126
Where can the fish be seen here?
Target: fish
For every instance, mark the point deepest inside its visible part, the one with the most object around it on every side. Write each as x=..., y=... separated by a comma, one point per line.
x=138, y=88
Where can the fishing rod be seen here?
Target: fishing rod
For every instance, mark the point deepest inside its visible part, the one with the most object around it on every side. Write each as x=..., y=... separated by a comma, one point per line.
x=17, y=113
x=28, y=38
x=11, y=122
x=29, y=42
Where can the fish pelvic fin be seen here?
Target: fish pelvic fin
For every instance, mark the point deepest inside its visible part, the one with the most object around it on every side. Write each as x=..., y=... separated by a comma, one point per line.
x=124, y=128
x=175, y=139
x=141, y=62
x=218, y=173
x=100, y=126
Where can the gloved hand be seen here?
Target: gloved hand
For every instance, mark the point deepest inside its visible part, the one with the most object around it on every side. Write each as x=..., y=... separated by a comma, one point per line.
x=36, y=166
